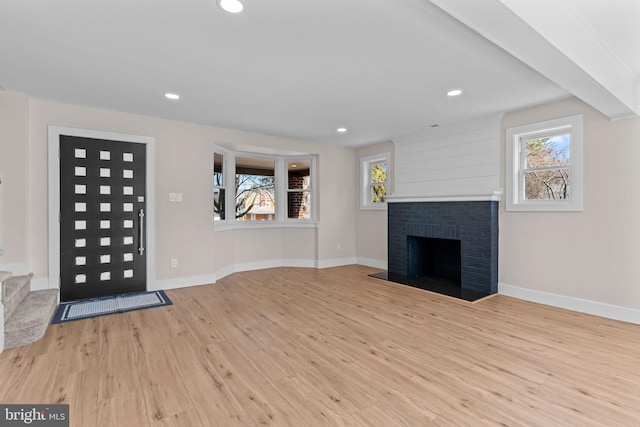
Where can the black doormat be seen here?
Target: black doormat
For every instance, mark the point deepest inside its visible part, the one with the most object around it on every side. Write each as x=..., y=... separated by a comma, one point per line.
x=442, y=287
x=94, y=307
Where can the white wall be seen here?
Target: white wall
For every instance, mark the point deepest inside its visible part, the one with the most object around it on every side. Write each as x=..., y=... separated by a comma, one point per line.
x=337, y=213
x=185, y=231
x=371, y=225
x=588, y=261
x=14, y=131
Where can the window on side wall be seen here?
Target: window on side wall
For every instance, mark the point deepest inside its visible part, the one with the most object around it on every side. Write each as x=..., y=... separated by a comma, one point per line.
x=544, y=166
x=219, y=188
x=374, y=178
x=299, y=189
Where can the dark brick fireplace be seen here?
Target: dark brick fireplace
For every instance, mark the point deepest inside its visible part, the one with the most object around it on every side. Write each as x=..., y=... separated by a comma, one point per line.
x=452, y=243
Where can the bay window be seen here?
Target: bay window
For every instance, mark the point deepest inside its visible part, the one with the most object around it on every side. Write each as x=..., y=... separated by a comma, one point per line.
x=266, y=189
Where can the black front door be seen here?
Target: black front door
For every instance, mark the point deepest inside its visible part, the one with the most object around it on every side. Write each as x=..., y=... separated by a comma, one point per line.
x=102, y=208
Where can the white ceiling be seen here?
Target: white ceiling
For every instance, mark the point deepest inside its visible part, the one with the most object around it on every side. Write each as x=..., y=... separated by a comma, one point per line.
x=616, y=23
x=301, y=69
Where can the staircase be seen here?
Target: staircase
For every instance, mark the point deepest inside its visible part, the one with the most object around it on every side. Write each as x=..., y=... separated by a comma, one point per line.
x=26, y=313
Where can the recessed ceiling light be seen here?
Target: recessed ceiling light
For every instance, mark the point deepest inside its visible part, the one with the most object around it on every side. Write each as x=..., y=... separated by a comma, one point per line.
x=231, y=6
x=173, y=96
x=294, y=166
x=454, y=92
x=341, y=130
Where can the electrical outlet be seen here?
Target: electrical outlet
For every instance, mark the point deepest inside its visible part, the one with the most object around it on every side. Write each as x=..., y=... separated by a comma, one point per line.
x=339, y=247
x=175, y=197
x=174, y=262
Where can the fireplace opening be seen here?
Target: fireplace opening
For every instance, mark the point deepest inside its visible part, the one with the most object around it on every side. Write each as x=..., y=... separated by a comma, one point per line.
x=433, y=258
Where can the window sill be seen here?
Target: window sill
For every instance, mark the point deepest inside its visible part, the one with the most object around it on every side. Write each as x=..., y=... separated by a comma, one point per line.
x=218, y=226
x=544, y=207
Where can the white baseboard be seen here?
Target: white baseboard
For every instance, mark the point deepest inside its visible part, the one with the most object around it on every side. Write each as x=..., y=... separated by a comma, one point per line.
x=301, y=263
x=382, y=265
x=336, y=262
x=224, y=272
x=261, y=265
x=182, y=282
x=595, y=308
x=258, y=265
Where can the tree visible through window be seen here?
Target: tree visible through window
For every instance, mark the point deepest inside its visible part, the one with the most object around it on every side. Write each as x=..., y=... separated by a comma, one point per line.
x=255, y=189
x=378, y=182
x=544, y=165
x=262, y=188
x=374, y=181
x=546, y=170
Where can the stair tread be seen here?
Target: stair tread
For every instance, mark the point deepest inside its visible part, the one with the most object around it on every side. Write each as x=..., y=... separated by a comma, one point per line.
x=14, y=290
x=37, y=308
x=12, y=285
x=29, y=321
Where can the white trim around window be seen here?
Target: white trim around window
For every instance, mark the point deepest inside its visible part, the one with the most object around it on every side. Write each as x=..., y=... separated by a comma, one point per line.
x=366, y=181
x=281, y=192
x=517, y=167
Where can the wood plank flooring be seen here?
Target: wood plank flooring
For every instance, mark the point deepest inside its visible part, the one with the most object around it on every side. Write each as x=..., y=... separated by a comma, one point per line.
x=305, y=347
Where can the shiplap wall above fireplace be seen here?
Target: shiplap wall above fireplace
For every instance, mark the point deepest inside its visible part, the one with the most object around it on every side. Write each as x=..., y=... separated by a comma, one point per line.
x=461, y=159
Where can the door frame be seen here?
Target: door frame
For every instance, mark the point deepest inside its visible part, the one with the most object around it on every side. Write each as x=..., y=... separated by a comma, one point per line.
x=54, y=133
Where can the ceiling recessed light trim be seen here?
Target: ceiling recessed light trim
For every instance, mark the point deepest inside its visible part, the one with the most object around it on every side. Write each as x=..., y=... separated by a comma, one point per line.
x=172, y=96
x=454, y=92
x=341, y=130
x=231, y=6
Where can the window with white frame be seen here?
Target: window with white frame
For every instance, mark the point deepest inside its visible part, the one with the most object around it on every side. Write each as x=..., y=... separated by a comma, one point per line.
x=544, y=166
x=299, y=189
x=219, y=188
x=266, y=189
x=374, y=181
x=255, y=189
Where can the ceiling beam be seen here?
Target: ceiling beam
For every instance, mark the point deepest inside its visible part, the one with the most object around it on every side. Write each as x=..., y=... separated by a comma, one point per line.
x=552, y=37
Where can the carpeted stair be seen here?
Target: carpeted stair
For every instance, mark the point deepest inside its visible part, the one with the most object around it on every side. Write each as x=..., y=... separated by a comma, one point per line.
x=26, y=313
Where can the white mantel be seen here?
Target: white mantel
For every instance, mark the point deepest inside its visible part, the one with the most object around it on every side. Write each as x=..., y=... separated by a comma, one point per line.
x=494, y=196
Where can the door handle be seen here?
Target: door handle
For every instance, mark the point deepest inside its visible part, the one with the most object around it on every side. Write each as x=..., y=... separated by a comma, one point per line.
x=141, y=232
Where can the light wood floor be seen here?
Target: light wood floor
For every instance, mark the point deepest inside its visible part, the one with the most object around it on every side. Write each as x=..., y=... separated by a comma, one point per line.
x=306, y=347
